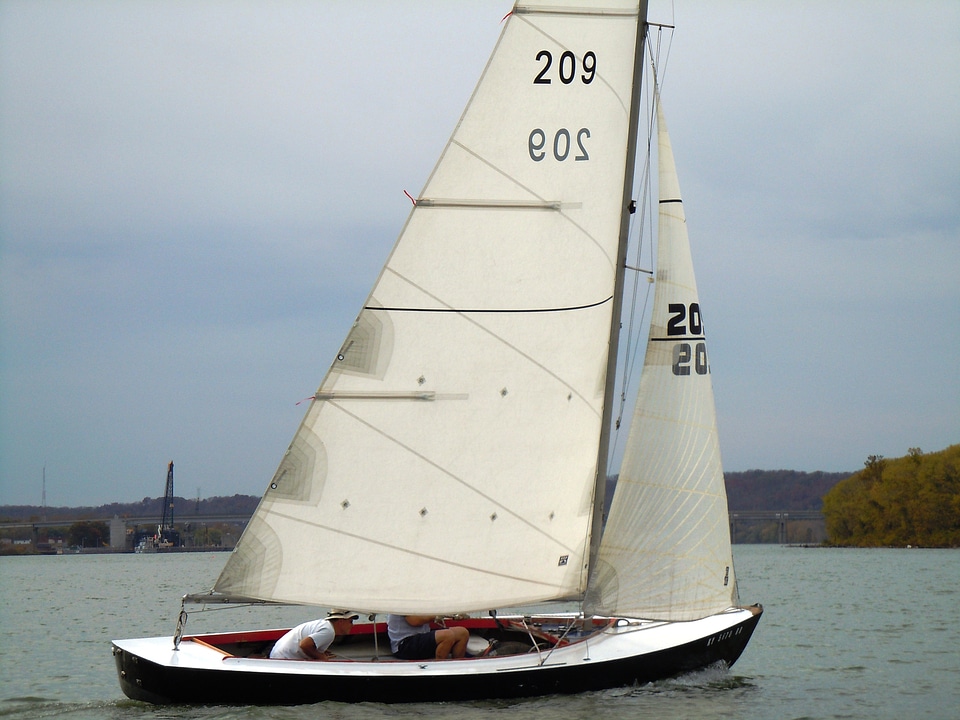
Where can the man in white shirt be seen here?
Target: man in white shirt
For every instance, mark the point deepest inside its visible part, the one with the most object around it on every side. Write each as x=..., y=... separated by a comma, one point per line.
x=310, y=640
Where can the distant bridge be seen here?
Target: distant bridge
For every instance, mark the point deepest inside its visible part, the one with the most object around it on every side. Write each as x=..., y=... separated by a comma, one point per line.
x=746, y=515
x=149, y=520
x=781, y=517
x=118, y=525
x=776, y=515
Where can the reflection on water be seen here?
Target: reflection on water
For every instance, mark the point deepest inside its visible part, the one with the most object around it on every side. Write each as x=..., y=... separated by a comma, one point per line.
x=845, y=633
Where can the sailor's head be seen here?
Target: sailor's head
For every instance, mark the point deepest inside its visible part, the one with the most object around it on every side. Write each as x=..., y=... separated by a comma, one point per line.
x=342, y=620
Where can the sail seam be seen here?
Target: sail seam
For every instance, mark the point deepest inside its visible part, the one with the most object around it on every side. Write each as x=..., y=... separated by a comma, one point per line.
x=496, y=169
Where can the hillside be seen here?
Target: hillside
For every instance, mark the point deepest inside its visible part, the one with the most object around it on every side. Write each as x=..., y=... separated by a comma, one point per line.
x=779, y=489
x=183, y=508
x=750, y=490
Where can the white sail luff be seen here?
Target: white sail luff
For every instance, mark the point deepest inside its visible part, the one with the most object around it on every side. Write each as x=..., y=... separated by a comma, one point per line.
x=666, y=548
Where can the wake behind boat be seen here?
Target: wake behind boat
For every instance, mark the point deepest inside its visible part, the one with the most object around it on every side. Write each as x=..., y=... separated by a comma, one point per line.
x=454, y=457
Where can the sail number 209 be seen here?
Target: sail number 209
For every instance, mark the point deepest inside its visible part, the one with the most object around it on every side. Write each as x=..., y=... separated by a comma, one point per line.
x=563, y=143
x=566, y=69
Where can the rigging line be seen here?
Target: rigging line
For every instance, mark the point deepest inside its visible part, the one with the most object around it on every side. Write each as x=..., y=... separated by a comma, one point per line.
x=634, y=343
x=500, y=171
x=536, y=645
x=631, y=362
x=560, y=639
x=660, y=75
x=644, y=218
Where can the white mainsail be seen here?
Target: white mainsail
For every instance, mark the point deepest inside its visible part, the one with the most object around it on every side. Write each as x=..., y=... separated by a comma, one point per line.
x=449, y=458
x=666, y=548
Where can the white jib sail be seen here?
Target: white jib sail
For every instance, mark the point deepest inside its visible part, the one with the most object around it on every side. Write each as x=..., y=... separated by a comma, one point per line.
x=666, y=550
x=449, y=458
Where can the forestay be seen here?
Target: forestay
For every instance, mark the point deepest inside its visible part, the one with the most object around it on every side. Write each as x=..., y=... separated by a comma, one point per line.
x=448, y=460
x=666, y=548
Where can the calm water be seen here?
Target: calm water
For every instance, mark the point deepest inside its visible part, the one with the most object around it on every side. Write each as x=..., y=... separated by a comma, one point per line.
x=846, y=634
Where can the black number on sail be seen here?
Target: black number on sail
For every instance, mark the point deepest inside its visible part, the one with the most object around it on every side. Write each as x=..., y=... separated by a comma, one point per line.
x=566, y=68
x=678, y=315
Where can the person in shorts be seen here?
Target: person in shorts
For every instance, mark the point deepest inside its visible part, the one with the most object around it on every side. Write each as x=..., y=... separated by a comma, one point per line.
x=412, y=638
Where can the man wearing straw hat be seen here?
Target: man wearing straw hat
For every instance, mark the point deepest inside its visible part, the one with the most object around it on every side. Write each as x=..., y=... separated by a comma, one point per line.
x=310, y=640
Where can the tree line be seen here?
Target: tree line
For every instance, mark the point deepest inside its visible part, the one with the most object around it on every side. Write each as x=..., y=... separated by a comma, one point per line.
x=913, y=500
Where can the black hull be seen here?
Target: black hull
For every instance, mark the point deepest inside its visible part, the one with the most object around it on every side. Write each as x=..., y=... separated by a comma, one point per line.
x=153, y=683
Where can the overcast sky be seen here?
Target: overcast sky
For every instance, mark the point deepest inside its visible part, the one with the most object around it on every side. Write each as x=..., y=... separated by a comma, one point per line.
x=195, y=199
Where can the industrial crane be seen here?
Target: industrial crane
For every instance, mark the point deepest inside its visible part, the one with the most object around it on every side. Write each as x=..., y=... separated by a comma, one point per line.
x=166, y=536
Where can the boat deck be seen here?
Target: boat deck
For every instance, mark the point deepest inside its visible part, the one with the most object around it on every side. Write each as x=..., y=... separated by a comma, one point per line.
x=369, y=641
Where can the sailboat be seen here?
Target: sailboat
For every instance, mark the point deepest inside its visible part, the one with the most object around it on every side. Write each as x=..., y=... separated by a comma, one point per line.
x=454, y=458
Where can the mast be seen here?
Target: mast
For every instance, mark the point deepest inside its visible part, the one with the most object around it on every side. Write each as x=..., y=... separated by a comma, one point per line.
x=627, y=209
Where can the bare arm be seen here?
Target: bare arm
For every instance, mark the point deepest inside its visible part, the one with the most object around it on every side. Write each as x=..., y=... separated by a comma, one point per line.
x=309, y=648
x=418, y=620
